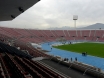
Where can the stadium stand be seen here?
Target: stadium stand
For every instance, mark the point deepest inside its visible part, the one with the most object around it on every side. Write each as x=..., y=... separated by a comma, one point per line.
x=11, y=47
x=19, y=59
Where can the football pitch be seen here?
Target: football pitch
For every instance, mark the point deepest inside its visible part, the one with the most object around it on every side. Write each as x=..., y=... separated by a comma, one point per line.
x=94, y=49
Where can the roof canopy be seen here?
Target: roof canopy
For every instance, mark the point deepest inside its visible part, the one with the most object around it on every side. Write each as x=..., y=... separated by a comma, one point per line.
x=9, y=9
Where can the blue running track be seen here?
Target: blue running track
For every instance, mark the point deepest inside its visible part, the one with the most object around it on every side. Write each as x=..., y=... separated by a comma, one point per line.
x=91, y=60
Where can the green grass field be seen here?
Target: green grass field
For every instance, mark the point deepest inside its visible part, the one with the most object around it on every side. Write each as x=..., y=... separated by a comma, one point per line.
x=94, y=49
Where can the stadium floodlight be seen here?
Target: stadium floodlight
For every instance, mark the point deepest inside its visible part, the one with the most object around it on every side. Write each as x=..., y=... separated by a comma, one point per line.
x=75, y=17
x=21, y=9
x=12, y=16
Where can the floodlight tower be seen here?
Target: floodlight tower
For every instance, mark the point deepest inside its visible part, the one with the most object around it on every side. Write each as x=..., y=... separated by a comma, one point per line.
x=75, y=17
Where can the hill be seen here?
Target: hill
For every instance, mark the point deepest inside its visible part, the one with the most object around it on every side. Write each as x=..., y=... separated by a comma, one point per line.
x=93, y=26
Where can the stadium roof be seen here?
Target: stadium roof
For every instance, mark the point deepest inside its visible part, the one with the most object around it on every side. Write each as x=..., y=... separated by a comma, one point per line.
x=9, y=9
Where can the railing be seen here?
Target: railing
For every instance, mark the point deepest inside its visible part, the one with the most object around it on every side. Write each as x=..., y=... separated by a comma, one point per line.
x=60, y=73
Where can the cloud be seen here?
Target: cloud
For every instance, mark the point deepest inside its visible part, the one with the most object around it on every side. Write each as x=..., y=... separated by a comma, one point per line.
x=58, y=13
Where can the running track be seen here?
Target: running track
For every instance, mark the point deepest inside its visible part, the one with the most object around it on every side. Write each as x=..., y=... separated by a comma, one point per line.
x=91, y=60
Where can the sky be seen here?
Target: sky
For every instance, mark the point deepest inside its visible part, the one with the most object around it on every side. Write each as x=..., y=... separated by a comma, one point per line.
x=58, y=13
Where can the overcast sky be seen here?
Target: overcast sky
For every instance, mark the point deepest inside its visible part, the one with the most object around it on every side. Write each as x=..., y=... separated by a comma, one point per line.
x=59, y=13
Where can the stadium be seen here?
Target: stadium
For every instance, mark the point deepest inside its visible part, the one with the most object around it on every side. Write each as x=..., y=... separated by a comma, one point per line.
x=34, y=53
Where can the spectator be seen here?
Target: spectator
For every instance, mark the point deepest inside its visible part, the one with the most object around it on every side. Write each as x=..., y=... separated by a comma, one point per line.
x=71, y=59
x=51, y=48
x=76, y=59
